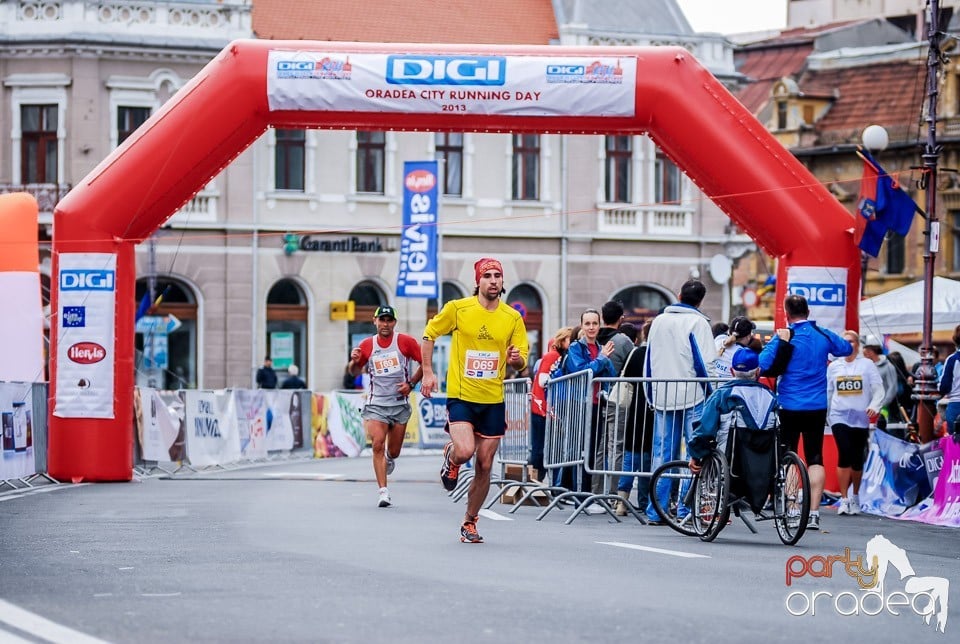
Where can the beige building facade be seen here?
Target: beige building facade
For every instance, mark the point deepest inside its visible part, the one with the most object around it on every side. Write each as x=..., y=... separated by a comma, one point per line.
x=260, y=261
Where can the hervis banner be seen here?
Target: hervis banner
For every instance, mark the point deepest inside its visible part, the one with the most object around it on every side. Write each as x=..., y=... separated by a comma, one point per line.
x=418, y=276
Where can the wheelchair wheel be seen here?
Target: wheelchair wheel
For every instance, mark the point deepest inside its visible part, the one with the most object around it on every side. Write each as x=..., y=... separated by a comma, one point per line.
x=791, y=499
x=710, y=508
x=678, y=475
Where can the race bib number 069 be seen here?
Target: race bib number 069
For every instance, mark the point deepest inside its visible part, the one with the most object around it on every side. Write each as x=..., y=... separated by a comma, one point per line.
x=482, y=364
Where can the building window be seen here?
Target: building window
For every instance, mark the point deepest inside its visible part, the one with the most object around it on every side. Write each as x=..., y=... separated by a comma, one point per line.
x=290, y=153
x=896, y=253
x=129, y=119
x=781, y=115
x=371, y=153
x=449, y=151
x=666, y=180
x=525, y=299
x=808, y=114
x=619, y=168
x=168, y=360
x=955, y=241
x=287, y=315
x=641, y=303
x=38, y=145
x=526, y=167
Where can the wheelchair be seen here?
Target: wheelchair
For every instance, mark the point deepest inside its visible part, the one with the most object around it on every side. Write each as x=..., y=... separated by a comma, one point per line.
x=755, y=475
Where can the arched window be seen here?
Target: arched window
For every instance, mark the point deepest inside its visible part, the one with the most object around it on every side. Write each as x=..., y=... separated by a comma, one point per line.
x=166, y=335
x=641, y=303
x=287, y=326
x=366, y=297
x=526, y=299
x=450, y=291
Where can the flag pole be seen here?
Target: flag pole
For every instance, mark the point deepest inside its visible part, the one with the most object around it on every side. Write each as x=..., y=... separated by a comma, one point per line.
x=925, y=391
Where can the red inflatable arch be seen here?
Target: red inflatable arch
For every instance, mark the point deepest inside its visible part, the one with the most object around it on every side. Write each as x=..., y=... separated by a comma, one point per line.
x=660, y=91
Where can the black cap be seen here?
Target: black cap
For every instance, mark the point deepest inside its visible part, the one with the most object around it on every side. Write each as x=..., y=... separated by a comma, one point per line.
x=385, y=312
x=741, y=327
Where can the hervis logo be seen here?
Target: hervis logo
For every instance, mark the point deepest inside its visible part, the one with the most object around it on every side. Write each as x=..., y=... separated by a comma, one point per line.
x=86, y=353
x=420, y=181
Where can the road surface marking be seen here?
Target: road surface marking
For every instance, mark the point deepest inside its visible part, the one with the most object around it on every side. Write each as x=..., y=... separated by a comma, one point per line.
x=673, y=553
x=41, y=627
x=493, y=516
x=303, y=475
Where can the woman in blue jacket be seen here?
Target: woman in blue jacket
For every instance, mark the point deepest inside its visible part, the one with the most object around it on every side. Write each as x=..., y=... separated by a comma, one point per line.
x=585, y=354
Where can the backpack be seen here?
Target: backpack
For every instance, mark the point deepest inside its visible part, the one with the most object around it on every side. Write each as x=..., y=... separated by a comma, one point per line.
x=622, y=392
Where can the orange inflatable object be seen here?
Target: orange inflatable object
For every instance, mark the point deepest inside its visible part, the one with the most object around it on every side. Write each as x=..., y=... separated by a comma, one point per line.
x=660, y=91
x=21, y=324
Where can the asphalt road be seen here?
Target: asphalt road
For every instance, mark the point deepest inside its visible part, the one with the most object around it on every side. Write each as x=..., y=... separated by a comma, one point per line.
x=299, y=552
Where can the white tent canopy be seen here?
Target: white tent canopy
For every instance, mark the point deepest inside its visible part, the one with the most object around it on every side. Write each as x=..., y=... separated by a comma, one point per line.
x=901, y=310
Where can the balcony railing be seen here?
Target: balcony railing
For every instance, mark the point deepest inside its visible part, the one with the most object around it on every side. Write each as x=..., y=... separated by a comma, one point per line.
x=648, y=219
x=48, y=195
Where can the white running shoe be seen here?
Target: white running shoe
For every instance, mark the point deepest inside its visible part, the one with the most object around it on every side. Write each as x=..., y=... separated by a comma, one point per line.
x=813, y=523
x=391, y=463
x=854, y=506
x=384, y=498
x=844, y=507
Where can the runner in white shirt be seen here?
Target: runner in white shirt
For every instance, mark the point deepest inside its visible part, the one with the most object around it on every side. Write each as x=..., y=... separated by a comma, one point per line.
x=855, y=396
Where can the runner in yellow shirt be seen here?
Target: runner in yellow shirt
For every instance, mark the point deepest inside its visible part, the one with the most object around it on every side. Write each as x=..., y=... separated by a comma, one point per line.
x=487, y=335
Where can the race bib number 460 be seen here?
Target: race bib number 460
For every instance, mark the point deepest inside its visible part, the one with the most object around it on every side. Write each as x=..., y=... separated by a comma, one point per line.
x=482, y=365
x=849, y=385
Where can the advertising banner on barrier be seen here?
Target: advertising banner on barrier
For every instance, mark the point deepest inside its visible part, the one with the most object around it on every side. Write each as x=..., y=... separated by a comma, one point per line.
x=248, y=410
x=85, y=335
x=16, y=420
x=602, y=86
x=943, y=506
x=894, y=476
x=433, y=418
x=211, y=438
x=282, y=404
x=344, y=422
x=160, y=425
x=825, y=288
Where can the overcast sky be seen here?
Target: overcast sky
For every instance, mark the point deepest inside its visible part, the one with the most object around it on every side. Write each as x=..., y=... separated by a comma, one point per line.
x=735, y=16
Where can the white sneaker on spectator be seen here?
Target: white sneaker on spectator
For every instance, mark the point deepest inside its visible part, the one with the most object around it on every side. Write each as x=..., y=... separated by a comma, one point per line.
x=854, y=507
x=383, y=500
x=844, y=507
x=813, y=523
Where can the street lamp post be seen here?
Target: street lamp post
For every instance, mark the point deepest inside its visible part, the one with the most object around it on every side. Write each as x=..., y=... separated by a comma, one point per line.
x=926, y=378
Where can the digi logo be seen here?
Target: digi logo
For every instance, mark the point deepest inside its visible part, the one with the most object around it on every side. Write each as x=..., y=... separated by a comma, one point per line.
x=295, y=65
x=446, y=70
x=86, y=280
x=821, y=294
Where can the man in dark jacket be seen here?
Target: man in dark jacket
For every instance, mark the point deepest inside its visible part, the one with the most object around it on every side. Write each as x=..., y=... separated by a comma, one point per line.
x=294, y=381
x=608, y=448
x=266, y=376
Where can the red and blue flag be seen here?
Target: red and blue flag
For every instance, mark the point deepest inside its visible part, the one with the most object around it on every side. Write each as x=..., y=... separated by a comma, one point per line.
x=883, y=206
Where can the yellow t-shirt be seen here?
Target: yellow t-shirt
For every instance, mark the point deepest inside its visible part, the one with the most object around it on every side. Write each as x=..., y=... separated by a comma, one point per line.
x=478, y=351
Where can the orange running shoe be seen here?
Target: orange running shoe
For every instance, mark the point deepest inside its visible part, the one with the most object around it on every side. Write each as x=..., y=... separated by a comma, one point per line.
x=468, y=531
x=449, y=471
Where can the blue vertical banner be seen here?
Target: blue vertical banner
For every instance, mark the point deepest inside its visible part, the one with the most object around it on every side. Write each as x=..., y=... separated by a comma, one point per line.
x=418, y=275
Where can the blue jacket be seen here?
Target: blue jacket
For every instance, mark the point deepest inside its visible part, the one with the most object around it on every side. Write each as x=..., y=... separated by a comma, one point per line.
x=578, y=359
x=950, y=378
x=803, y=386
x=746, y=403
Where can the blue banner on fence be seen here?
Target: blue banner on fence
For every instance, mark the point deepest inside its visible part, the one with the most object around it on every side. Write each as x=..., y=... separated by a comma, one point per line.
x=418, y=273
x=894, y=476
